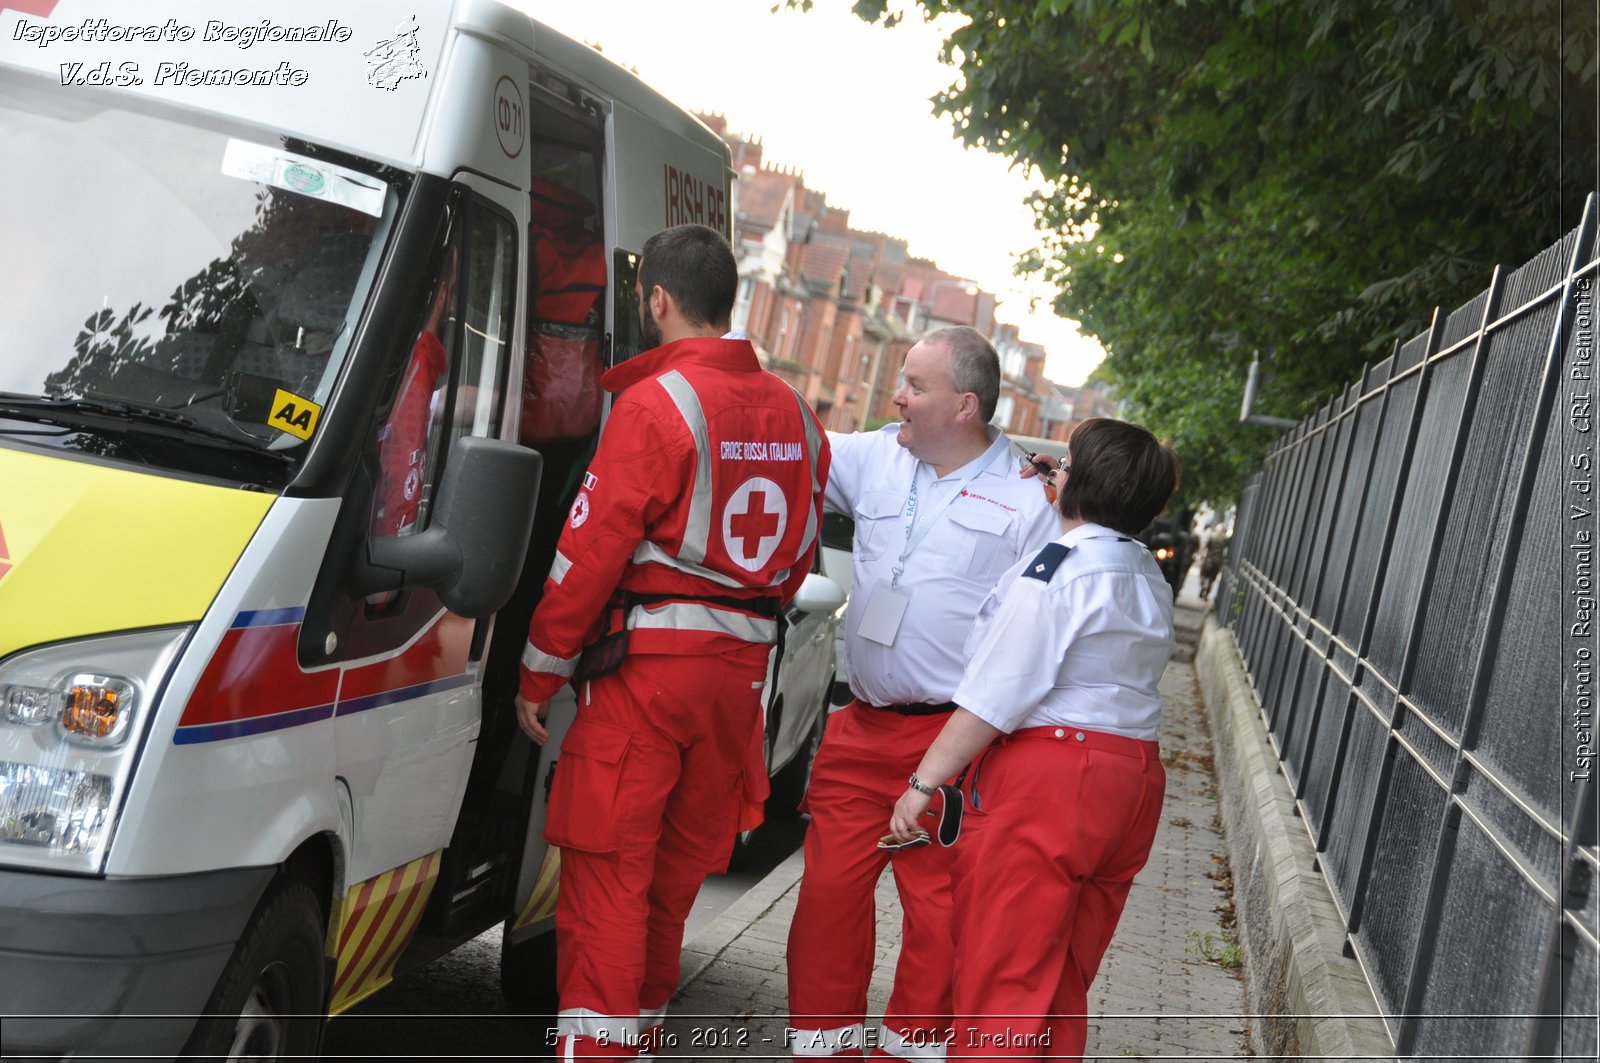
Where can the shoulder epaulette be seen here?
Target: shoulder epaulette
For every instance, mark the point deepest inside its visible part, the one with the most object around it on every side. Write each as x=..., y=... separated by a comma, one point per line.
x=1044, y=565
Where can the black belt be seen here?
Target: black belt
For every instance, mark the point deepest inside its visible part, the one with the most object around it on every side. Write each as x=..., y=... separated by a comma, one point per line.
x=765, y=606
x=916, y=708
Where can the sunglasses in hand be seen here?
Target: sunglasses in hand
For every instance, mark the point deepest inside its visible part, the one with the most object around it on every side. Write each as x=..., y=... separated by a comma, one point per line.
x=889, y=843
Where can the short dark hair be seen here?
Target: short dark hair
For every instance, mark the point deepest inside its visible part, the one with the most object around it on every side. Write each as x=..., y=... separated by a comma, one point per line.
x=974, y=366
x=1120, y=475
x=694, y=265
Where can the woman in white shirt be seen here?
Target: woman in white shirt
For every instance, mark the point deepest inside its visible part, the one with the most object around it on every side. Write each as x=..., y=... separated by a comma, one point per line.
x=1058, y=719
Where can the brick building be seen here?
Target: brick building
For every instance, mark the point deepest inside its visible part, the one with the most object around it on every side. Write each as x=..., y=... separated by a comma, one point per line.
x=833, y=310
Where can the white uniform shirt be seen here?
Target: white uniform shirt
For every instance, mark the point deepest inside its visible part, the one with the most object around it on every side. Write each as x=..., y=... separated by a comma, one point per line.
x=993, y=519
x=1085, y=649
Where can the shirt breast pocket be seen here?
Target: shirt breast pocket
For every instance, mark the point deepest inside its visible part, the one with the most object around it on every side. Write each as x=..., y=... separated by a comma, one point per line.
x=988, y=538
x=879, y=524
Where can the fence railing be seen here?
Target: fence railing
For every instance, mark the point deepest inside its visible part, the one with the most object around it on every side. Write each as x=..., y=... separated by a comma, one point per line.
x=1411, y=584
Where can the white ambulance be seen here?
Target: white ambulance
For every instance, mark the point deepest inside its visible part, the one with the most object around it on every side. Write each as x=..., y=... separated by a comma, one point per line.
x=270, y=278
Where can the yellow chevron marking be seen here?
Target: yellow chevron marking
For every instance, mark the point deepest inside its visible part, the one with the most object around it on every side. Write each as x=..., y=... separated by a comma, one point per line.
x=542, y=901
x=378, y=925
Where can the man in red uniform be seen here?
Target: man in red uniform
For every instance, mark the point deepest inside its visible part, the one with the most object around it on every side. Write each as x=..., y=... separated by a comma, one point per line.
x=697, y=519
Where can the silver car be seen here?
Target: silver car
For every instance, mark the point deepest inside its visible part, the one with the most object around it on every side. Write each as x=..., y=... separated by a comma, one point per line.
x=797, y=703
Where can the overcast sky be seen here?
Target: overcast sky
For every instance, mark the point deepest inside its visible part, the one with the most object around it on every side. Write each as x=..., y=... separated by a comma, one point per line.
x=847, y=103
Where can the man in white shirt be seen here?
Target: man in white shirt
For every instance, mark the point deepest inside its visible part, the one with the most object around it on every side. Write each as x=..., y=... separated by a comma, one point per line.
x=940, y=512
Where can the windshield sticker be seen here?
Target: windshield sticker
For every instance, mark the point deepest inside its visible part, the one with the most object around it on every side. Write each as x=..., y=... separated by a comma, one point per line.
x=293, y=414
x=304, y=176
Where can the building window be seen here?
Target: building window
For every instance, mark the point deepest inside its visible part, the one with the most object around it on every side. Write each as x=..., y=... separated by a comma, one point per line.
x=1003, y=411
x=741, y=306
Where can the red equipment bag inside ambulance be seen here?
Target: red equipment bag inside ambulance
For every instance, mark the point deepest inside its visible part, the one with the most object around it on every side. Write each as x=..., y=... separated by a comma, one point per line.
x=561, y=381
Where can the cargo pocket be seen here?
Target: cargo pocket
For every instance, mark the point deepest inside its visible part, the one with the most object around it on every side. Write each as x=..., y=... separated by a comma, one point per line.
x=583, y=800
x=753, y=789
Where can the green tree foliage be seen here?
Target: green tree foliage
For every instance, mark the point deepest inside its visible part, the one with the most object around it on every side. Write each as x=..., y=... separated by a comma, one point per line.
x=1302, y=178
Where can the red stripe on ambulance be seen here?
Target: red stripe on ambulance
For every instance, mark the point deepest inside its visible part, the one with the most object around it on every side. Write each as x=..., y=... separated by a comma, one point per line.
x=439, y=654
x=256, y=672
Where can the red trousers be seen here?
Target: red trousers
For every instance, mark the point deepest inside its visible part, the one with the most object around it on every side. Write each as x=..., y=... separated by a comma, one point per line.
x=1042, y=872
x=861, y=770
x=648, y=790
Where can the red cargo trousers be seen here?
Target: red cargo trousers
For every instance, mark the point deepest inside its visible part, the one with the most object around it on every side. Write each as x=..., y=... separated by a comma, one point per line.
x=1042, y=872
x=648, y=793
x=866, y=757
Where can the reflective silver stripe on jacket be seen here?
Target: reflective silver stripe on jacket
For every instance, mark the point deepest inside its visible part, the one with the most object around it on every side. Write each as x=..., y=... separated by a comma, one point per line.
x=536, y=660
x=813, y=445
x=697, y=528
x=649, y=553
x=696, y=616
x=559, y=567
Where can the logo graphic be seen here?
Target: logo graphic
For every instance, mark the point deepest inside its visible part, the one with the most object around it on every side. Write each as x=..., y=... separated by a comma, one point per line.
x=591, y=481
x=509, y=120
x=395, y=60
x=292, y=414
x=5, y=555
x=753, y=522
x=981, y=498
x=580, y=509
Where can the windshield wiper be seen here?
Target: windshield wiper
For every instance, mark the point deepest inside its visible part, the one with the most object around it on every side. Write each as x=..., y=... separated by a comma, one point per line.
x=79, y=413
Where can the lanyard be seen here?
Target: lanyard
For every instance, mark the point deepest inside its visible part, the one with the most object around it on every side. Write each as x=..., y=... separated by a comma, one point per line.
x=915, y=535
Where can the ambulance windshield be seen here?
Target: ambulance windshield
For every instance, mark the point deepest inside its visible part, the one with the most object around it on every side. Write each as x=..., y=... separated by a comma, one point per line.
x=176, y=295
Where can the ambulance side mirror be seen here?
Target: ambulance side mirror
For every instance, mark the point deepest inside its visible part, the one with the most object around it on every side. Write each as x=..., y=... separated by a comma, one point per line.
x=472, y=551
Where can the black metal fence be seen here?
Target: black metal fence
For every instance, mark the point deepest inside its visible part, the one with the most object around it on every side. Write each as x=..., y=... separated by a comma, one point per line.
x=1412, y=587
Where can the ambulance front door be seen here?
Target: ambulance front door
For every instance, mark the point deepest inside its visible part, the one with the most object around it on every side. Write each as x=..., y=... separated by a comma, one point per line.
x=409, y=704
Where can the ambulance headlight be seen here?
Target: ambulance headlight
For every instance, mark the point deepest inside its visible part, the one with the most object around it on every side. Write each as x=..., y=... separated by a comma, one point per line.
x=71, y=715
x=89, y=709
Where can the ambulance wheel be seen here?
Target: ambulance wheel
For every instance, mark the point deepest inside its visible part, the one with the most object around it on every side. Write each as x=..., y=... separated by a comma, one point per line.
x=269, y=1002
x=528, y=975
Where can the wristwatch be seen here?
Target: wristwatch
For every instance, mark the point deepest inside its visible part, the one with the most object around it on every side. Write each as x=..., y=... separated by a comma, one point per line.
x=920, y=787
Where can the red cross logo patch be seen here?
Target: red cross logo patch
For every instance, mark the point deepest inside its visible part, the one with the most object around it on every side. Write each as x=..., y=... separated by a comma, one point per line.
x=753, y=522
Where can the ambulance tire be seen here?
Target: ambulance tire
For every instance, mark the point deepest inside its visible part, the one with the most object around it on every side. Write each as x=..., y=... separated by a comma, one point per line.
x=270, y=1001
x=528, y=975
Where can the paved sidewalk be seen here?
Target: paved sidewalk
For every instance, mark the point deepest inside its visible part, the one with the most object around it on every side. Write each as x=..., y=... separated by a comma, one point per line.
x=1163, y=990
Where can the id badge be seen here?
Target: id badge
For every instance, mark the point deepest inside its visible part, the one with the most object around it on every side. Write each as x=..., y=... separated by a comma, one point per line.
x=885, y=609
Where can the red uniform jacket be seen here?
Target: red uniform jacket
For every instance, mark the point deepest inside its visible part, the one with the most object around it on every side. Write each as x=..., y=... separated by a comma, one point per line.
x=403, y=440
x=707, y=483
